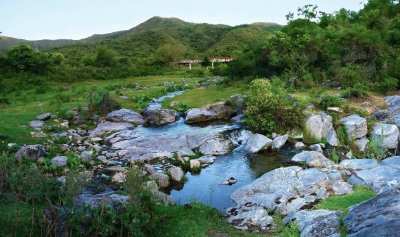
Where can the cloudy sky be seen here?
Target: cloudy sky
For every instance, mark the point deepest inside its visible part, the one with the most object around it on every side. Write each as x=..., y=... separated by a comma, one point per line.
x=76, y=19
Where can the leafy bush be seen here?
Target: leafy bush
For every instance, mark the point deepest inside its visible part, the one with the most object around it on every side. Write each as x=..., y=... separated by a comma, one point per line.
x=357, y=91
x=101, y=103
x=326, y=101
x=389, y=84
x=269, y=109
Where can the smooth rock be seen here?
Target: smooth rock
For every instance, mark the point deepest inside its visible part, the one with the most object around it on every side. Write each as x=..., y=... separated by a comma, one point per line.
x=386, y=135
x=299, y=146
x=36, y=124
x=59, y=161
x=251, y=218
x=194, y=164
x=379, y=179
x=207, y=159
x=320, y=127
x=86, y=155
x=30, y=152
x=158, y=116
x=125, y=115
x=149, y=169
x=358, y=164
x=163, y=180
x=316, y=223
x=218, y=111
x=393, y=162
x=106, y=128
x=257, y=142
x=279, y=141
x=356, y=126
x=119, y=177
x=316, y=147
x=176, y=173
x=313, y=159
x=361, y=144
x=216, y=146
x=44, y=117
x=378, y=216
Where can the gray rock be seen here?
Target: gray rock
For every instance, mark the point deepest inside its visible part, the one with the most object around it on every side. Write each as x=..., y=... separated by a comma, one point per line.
x=299, y=146
x=214, y=112
x=393, y=105
x=320, y=127
x=236, y=102
x=356, y=126
x=287, y=190
x=86, y=155
x=106, y=128
x=149, y=169
x=194, y=164
x=217, y=145
x=358, y=164
x=393, y=162
x=30, y=152
x=316, y=147
x=379, y=179
x=361, y=144
x=316, y=223
x=257, y=142
x=249, y=219
x=176, y=173
x=59, y=161
x=125, y=115
x=278, y=142
x=387, y=135
x=36, y=124
x=313, y=159
x=378, y=216
x=163, y=180
x=158, y=116
x=118, y=177
x=207, y=159
x=44, y=117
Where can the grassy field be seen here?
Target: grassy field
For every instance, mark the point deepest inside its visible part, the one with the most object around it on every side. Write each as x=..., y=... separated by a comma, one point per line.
x=199, y=97
x=26, y=105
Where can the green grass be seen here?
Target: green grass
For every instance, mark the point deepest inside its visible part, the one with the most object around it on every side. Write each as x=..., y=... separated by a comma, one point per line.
x=200, y=220
x=16, y=219
x=199, y=97
x=341, y=203
x=26, y=105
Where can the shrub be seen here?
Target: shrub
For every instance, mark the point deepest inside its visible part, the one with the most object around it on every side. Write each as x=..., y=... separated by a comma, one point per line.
x=268, y=108
x=358, y=91
x=389, y=84
x=101, y=103
x=326, y=101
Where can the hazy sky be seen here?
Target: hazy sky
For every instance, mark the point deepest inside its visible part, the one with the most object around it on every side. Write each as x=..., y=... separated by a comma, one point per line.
x=75, y=19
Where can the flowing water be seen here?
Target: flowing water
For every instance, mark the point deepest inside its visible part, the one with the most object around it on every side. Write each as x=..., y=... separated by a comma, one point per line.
x=206, y=186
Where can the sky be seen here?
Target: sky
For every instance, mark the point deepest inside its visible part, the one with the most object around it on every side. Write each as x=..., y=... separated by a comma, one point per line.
x=76, y=19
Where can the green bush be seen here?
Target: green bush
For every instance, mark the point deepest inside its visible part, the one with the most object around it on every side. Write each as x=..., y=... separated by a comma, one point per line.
x=270, y=110
x=357, y=91
x=389, y=84
x=326, y=101
x=101, y=103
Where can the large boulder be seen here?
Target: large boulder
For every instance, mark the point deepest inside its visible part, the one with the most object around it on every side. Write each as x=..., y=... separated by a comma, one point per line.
x=378, y=216
x=43, y=117
x=257, y=142
x=356, y=126
x=125, y=115
x=358, y=164
x=316, y=223
x=320, y=127
x=393, y=162
x=106, y=128
x=217, y=145
x=287, y=190
x=248, y=219
x=386, y=135
x=59, y=161
x=379, y=179
x=158, y=116
x=313, y=159
x=30, y=152
x=236, y=102
x=279, y=141
x=218, y=111
x=176, y=173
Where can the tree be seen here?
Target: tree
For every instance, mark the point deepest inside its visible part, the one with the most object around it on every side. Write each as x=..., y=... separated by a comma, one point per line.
x=169, y=53
x=24, y=58
x=206, y=62
x=105, y=57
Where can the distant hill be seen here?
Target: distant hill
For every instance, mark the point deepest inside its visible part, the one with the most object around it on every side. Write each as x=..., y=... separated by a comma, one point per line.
x=144, y=39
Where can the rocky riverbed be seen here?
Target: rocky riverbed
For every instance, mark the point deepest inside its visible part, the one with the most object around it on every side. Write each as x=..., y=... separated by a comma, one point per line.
x=272, y=175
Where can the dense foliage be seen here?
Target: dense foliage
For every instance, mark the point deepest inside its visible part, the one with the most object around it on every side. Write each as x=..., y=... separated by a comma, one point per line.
x=347, y=48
